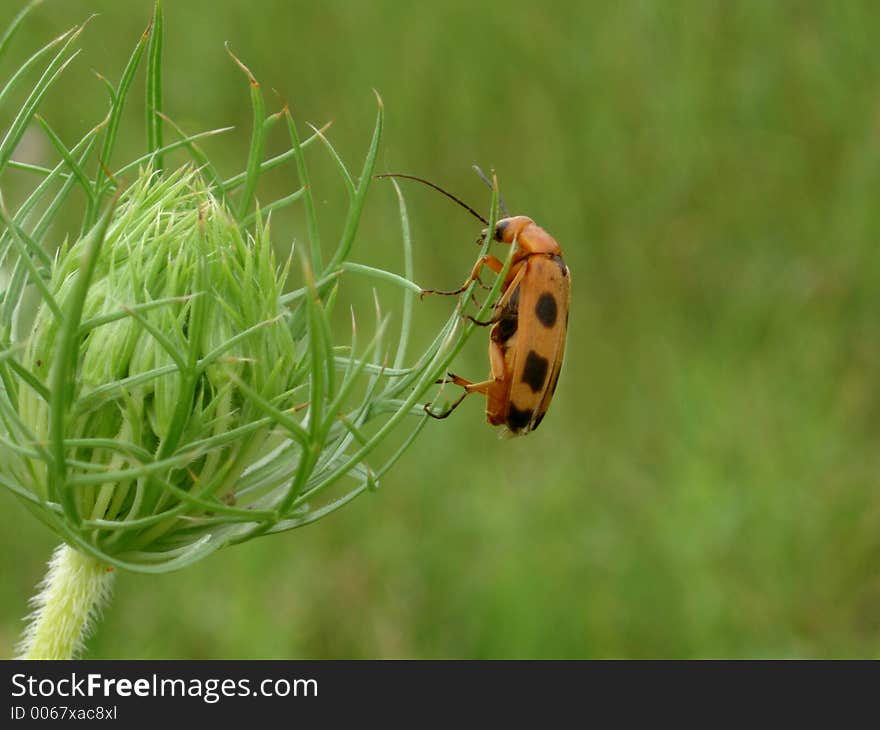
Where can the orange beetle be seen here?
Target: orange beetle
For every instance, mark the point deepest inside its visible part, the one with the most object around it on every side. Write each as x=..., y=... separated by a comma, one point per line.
x=529, y=324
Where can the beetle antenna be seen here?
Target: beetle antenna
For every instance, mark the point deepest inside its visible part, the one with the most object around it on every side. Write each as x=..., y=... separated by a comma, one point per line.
x=492, y=187
x=438, y=189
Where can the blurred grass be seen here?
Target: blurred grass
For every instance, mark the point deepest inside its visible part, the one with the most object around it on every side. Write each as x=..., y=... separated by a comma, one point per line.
x=706, y=483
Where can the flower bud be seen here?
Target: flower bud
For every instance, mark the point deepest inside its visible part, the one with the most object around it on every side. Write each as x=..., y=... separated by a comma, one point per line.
x=182, y=334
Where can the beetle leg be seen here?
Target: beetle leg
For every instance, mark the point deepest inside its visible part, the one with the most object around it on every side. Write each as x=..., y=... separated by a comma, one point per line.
x=468, y=384
x=452, y=378
x=469, y=388
x=448, y=411
x=493, y=263
x=479, y=323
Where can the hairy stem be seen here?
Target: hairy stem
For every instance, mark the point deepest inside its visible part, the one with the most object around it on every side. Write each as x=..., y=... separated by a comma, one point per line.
x=70, y=597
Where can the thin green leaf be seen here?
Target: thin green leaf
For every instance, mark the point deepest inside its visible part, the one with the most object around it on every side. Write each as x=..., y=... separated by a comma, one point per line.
x=51, y=210
x=154, y=86
x=343, y=170
x=108, y=391
x=95, y=322
x=294, y=429
x=184, y=142
x=408, y=295
x=357, y=203
x=101, y=184
x=28, y=377
x=255, y=155
x=27, y=167
x=236, y=181
x=162, y=339
x=43, y=188
x=34, y=59
x=318, y=385
x=320, y=285
x=108, y=86
x=382, y=275
x=65, y=366
x=68, y=158
x=25, y=258
x=17, y=129
x=311, y=214
x=14, y=25
x=274, y=205
x=200, y=157
x=33, y=248
x=231, y=342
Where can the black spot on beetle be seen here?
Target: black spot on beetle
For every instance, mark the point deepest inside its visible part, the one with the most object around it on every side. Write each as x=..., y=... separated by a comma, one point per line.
x=546, y=309
x=499, y=229
x=517, y=419
x=508, y=321
x=535, y=371
x=505, y=329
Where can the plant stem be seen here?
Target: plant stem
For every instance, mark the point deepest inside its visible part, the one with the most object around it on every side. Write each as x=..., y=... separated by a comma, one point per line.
x=71, y=595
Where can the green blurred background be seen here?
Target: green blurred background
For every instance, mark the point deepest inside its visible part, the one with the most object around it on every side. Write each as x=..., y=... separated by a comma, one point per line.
x=706, y=483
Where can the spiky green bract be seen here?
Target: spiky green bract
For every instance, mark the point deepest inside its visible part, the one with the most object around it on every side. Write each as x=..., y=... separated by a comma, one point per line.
x=181, y=311
x=167, y=402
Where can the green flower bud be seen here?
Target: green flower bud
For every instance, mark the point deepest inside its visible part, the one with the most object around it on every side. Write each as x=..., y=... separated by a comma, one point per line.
x=181, y=321
x=171, y=399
